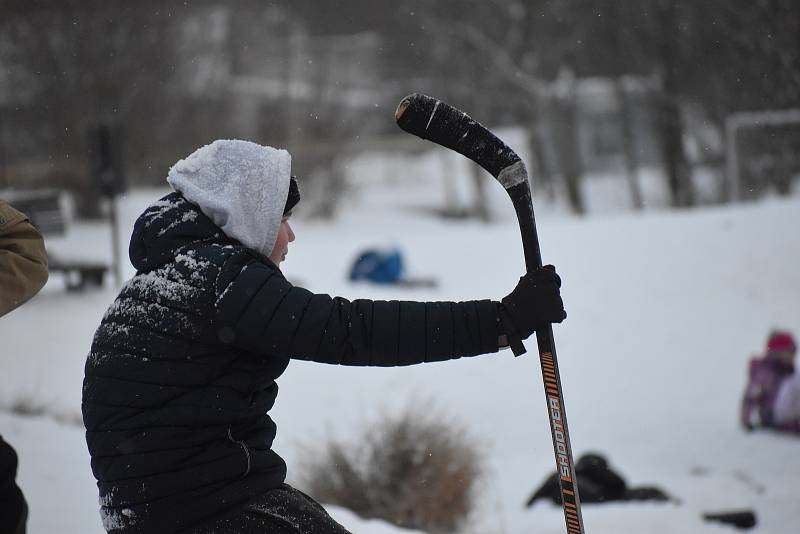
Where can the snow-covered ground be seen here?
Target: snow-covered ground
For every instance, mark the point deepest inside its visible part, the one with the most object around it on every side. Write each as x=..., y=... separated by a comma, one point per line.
x=665, y=308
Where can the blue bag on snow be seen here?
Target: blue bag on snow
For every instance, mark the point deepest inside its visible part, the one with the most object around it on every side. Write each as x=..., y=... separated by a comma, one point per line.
x=380, y=267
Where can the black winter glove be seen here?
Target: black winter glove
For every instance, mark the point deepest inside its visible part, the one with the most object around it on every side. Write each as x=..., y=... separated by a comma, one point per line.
x=534, y=303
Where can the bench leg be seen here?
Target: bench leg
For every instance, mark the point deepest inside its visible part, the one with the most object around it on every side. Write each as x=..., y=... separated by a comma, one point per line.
x=94, y=278
x=75, y=281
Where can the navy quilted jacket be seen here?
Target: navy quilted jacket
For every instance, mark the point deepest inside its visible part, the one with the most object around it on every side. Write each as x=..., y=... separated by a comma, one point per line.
x=181, y=373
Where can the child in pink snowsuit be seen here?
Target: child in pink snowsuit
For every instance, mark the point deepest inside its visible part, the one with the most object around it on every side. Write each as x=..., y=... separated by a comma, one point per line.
x=766, y=377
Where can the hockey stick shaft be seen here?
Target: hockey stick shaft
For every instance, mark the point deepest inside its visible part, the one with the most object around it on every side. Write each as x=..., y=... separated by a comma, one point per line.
x=432, y=119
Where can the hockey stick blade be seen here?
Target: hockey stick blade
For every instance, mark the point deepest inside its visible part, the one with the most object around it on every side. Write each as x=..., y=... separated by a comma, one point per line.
x=434, y=120
x=437, y=121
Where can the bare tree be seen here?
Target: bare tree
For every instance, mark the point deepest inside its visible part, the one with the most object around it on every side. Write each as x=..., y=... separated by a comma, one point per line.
x=498, y=39
x=564, y=125
x=73, y=64
x=628, y=152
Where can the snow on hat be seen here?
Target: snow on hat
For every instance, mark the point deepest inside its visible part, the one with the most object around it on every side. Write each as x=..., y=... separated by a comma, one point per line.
x=240, y=185
x=780, y=341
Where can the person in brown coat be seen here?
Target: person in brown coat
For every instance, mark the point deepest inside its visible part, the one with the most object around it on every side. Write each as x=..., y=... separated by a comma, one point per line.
x=23, y=260
x=23, y=272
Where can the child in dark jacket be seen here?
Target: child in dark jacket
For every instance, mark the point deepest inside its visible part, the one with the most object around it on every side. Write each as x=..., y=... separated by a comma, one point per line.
x=181, y=373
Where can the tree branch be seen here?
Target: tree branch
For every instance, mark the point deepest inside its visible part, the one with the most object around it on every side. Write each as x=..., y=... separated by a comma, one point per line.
x=511, y=71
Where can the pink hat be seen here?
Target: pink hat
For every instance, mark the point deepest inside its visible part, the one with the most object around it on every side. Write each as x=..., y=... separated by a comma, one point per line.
x=781, y=341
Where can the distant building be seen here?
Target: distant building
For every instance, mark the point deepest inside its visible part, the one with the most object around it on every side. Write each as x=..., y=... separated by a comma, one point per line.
x=274, y=78
x=599, y=122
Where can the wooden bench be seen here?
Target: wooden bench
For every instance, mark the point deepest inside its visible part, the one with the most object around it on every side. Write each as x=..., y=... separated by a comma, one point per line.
x=79, y=275
x=45, y=211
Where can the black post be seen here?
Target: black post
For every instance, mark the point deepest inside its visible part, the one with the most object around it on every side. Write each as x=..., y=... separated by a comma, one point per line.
x=106, y=164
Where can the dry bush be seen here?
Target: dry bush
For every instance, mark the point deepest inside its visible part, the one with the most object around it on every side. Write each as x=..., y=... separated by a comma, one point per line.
x=415, y=470
x=27, y=404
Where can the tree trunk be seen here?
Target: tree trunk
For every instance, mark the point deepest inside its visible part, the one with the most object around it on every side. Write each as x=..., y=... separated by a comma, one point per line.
x=481, y=205
x=566, y=144
x=452, y=205
x=676, y=166
x=539, y=168
x=628, y=152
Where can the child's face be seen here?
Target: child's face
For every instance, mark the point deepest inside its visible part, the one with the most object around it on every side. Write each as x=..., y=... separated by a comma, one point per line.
x=786, y=357
x=285, y=236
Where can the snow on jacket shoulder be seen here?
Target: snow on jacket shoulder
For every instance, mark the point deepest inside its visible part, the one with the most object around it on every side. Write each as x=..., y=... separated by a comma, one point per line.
x=23, y=261
x=181, y=373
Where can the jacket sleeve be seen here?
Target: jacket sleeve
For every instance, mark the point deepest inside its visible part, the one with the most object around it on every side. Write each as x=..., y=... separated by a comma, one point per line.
x=23, y=261
x=263, y=313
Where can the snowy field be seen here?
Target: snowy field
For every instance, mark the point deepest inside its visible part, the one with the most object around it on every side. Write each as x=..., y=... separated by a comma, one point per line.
x=665, y=308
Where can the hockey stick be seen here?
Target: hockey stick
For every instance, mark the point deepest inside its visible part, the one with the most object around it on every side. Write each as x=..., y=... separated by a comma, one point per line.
x=432, y=119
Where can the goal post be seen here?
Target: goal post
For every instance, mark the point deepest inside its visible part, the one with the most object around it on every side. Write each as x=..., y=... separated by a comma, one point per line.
x=762, y=151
